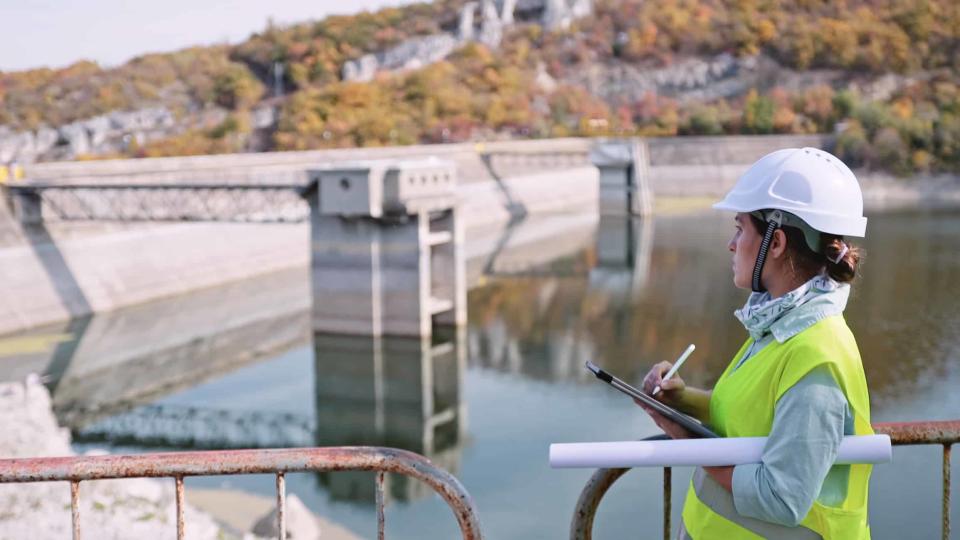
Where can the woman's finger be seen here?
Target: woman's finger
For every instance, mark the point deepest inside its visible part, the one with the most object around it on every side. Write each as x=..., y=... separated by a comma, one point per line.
x=674, y=383
x=655, y=375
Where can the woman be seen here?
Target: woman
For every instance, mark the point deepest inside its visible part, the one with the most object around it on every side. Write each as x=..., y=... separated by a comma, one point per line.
x=798, y=378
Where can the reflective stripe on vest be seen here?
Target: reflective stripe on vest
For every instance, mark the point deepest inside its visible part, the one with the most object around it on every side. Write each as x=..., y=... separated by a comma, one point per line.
x=718, y=499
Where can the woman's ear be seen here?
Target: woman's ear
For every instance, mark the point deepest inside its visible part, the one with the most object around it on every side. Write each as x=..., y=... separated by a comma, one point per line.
x=778, y=245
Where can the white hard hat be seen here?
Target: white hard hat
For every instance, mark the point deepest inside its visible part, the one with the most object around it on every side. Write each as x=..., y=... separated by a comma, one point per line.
x=806, y=182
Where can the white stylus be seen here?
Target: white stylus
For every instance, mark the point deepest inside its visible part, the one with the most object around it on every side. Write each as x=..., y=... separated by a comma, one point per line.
x=676, y=366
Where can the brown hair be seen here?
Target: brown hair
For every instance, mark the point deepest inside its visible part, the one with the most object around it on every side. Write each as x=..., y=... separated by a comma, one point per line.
x=807, y=263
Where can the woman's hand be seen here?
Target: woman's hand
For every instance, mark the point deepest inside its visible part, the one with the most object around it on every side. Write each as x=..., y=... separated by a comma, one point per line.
x=670, y=390
x=675, y=393
x=671, y=428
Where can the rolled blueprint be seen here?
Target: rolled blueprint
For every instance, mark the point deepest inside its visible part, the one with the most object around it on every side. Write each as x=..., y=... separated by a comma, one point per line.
x=702, y=452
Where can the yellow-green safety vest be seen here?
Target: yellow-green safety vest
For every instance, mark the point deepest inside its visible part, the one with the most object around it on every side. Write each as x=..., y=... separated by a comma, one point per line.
x=742, y=405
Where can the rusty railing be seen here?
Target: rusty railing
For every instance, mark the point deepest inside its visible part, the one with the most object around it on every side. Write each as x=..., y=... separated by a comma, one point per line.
x=179, y=465
x=944, y=433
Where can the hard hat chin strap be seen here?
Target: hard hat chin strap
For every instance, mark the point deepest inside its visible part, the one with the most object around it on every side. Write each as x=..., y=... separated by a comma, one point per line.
x=774, y=222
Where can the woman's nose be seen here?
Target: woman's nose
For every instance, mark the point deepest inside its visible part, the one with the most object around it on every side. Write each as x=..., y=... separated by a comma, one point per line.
x=732, y=245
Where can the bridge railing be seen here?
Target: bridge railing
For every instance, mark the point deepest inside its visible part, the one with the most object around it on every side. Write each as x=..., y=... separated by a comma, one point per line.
x=944, y=433
x=209, y=202
x=179, y=465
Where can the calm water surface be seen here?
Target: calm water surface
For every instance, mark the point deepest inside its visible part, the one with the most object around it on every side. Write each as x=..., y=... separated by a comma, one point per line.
x=487, y=403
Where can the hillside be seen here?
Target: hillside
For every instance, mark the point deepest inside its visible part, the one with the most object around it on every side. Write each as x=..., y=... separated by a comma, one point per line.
x=882, y=73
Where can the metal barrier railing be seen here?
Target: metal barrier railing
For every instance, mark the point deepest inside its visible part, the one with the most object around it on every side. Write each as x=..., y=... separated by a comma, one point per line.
x=179, y=465
x=944, y=433
x=173, y=202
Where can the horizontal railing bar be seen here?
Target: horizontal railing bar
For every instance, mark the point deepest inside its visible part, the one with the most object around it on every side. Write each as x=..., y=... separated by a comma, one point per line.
x=932, y=432
x=188, y=219
x=131, y=187
x=211, y=463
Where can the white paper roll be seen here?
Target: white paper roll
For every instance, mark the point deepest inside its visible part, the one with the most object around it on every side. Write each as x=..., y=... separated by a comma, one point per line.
x=702, y=452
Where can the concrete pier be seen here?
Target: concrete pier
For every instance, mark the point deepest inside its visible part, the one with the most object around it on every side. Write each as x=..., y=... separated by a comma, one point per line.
x=624, y=167
x=386, y=249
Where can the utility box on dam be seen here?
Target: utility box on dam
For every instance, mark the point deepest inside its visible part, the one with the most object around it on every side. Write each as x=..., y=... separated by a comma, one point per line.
x=386, y=244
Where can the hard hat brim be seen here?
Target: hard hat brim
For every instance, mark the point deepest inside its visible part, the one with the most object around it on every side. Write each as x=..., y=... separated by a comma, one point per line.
x=825, y=223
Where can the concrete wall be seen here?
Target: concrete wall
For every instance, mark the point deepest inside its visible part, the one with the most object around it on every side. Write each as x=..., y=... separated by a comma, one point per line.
x=68, y=270
x=54, y=276
x=709, y=166
x=46, y=281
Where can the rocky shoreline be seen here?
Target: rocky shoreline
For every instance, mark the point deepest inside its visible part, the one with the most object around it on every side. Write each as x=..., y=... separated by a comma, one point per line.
x=122, y=509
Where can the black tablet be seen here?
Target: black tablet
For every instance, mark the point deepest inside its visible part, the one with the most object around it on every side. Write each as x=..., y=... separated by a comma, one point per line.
x=692, y=425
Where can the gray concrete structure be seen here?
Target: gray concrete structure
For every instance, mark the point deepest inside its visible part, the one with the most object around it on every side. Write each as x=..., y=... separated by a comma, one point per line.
x=624, y=167
x=386, y=249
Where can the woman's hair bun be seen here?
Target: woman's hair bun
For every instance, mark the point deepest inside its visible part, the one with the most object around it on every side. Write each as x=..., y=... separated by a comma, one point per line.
x=845, y=268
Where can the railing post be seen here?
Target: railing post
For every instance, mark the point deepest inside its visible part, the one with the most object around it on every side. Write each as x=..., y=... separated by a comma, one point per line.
x=75, y=508
x=180, y=520
x=381, y=520
x=281, y=507
x=946, y=491
x=667, y=495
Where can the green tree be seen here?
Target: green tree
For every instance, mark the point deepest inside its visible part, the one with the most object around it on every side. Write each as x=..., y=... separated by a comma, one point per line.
x=852, y=145
x=703, y=120
x=890, y=150
x=758, y=113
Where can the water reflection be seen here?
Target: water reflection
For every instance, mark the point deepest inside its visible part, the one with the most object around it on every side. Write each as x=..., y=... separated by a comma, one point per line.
x=133, y=357
x=624, y=246
x=662, y=293
x=681, y=292
x=396, y=392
